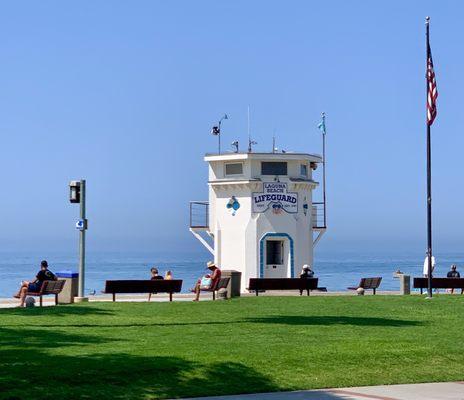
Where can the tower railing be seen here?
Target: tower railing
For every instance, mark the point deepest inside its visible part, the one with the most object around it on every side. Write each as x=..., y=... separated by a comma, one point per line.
x=199, y=214
x=318, y=215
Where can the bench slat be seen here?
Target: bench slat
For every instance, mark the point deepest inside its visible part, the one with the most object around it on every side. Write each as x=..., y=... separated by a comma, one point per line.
x=439, y=283
x=144, y=286
x=221, y=284
x=48, y=288
x=368, y=283
x=257, y=284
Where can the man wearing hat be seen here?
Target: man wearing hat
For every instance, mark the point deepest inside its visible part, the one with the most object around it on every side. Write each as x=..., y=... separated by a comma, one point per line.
x=43, y=275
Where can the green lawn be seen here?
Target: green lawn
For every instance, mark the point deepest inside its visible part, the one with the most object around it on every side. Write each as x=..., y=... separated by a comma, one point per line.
x=162, y=350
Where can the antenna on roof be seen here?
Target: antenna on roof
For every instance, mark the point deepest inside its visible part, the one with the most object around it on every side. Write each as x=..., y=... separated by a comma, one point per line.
x=248, y=114
x=274, y=148
x=250, y=142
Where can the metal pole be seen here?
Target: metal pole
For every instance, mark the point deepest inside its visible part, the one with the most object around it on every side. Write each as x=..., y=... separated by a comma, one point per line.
x=82, y=242
x=323, y=172
x=249, y=135
x=429, y=181
x=429, y=213
x=219, y=137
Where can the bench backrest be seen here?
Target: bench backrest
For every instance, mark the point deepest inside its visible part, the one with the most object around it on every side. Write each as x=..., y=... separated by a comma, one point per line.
x=370, y=283
x=222, y=283
x=283, y=283
x=52, y=287
x=144, y=286
x=439, y=283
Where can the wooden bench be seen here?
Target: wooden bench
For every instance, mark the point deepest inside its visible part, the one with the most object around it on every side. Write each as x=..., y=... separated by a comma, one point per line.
x=48, y=288
x=220, y=284
x=262, y=284
x=439, y=283
x=368, y=284
x=144, y=286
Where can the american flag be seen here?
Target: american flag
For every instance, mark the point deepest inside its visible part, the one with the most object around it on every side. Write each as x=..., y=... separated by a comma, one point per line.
x=432, y=92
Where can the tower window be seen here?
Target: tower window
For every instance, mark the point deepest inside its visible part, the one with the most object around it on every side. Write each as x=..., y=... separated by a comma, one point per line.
x=273, y=168
x=234, y=169
x=303, y=169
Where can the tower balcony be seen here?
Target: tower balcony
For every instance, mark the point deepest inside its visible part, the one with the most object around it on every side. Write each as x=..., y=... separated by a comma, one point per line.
x=199, y=215
x=318, y=216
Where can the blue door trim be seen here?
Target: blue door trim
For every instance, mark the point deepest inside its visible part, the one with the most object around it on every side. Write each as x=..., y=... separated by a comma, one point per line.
x=261, y=252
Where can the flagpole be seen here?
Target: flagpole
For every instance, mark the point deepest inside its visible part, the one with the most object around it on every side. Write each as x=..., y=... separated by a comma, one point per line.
x=323, y=171
x=429, y=178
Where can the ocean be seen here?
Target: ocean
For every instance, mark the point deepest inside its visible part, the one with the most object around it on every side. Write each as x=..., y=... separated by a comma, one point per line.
x=335, y=270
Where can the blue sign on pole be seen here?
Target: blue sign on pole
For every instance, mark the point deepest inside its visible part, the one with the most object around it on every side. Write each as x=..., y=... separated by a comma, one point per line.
x=80, y=224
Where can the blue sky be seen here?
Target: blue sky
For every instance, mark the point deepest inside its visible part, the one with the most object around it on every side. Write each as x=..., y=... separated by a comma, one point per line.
x=125, y=93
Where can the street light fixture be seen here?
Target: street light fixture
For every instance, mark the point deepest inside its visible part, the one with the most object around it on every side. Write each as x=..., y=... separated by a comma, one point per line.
x=74, y=191
x=216, y=131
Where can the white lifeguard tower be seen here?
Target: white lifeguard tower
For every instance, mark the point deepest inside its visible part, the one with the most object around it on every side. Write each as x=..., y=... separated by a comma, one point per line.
x=260, y=219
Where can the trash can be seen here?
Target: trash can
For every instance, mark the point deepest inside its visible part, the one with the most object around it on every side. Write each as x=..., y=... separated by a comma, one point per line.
x=233, y=290
x=70, y=287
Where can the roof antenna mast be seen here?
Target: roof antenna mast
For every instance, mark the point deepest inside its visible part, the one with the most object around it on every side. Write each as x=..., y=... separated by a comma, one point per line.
x=250, y=142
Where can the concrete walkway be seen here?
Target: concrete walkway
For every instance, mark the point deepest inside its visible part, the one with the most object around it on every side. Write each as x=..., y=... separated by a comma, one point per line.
x=421, y=391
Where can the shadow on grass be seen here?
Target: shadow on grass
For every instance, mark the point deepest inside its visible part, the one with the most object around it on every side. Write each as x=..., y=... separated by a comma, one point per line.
x=97, y=325
x=55, y=310
x=122, y=376
x=333, y=320
x=22, y=339
x=277, y=319
x=37, y=364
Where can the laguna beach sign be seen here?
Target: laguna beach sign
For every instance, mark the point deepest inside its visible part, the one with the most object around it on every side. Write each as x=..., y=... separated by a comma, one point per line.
x=276, y=197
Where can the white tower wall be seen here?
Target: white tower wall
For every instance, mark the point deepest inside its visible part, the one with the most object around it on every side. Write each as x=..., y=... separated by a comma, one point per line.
x=261, y=225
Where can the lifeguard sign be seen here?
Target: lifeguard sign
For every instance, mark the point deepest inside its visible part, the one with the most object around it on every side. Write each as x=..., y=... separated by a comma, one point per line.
x=276, y=196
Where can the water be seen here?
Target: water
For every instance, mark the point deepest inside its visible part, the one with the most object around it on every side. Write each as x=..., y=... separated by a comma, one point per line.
x=335, y=270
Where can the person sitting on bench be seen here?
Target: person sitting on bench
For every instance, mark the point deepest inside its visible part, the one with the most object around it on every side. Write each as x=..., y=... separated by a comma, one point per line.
x=306, y=273
x=207, y=282
x=154, y=277
x=154, y=274
x=34, y=287
x=453, y=274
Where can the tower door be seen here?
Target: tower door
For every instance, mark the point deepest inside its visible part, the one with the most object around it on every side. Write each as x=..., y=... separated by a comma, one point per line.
x=275, y=264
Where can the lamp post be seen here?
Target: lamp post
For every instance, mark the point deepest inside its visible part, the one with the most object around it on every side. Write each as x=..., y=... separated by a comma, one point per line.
x=216, y=131
x=77, y=195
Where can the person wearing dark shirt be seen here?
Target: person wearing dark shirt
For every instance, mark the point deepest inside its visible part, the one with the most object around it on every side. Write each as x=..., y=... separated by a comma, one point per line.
x=306, y=273
x=453, y=274
x=154, y=274
x=154, y=277
x=43, y=275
